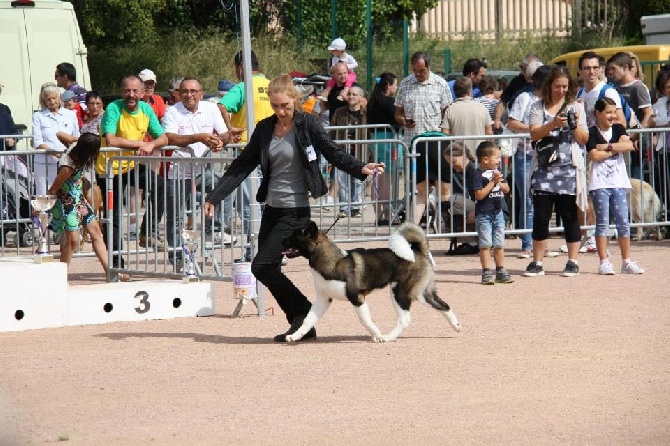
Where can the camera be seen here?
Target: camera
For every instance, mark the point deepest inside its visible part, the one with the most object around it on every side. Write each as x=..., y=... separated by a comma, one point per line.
x=572, y=119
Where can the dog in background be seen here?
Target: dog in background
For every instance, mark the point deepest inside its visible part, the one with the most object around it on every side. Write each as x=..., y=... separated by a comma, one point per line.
x=645, y=207
x=94, y=197
x=353, y=274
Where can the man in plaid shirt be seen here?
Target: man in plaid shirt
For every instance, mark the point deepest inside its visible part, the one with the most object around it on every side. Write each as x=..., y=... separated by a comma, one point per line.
x=422, y=99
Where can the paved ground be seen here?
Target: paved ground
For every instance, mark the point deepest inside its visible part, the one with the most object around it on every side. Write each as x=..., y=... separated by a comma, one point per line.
x=542, y=361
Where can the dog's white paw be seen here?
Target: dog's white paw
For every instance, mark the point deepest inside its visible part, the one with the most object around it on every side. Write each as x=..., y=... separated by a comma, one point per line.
x=382, y=338
x=292, y=338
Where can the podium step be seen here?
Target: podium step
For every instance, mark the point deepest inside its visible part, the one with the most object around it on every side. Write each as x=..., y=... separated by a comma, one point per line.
x=37, y=296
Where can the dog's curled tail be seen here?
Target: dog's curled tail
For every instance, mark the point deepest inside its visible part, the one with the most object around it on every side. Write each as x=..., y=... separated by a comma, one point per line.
x=409, y=240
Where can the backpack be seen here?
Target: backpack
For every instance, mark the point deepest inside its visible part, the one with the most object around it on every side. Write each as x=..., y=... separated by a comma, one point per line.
x=631, y=119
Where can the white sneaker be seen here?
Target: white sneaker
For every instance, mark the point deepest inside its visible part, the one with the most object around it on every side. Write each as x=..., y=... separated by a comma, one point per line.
x=564, y=249
x=549, y=253
x=606, y=269
x=631, y=268
x=225, y=238
x=589, y=247
x=525, y=254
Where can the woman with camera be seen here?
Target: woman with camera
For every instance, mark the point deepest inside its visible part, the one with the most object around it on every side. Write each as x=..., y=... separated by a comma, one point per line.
x=558, y=180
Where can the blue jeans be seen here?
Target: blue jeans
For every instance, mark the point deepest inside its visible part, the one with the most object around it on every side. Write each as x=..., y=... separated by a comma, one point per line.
x=614, y=201
x=351, y=191
x=490, y=227
x=522, y=181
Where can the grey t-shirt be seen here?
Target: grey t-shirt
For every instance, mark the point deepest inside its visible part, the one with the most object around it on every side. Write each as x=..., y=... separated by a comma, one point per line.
x=287, y=187
x=637, y=97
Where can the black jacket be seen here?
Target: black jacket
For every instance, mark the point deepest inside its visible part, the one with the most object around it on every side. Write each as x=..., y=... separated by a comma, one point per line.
x=308, y=132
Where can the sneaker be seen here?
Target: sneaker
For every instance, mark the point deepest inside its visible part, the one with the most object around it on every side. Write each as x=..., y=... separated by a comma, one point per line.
x=551, y=254
x=487, y=278
x=284, y=261
x=355, y=213
x=341, y=214
x=589, y=247
x=606, y=269
x=525, y=254
x=564, y=249
x=225, y=238
x=179, y=265
x=631, y=268
x=503, y=276
x=571, y=269
x=533, y=269
x=154, y=242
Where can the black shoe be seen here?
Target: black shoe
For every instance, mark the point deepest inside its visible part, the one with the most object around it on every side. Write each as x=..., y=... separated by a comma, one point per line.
x=295, y=325
x=464, y=249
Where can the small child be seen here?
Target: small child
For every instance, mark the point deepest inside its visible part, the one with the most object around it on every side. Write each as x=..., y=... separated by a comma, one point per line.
x=71, y=209
x=609, y=181
x=338, y=49
x=490, y=187
x=70, y=102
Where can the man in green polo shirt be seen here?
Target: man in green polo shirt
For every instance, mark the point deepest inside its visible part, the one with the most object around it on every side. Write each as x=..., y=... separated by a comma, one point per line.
x=124, y=125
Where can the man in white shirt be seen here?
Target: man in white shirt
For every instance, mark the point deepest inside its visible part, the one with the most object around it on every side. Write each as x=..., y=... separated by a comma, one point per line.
x=197, y=127
x=590, y=72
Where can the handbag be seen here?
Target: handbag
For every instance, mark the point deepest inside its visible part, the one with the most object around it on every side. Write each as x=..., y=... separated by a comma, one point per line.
x=546, y=150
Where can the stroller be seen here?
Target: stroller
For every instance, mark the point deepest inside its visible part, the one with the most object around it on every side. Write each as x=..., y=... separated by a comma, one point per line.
x=15, y=202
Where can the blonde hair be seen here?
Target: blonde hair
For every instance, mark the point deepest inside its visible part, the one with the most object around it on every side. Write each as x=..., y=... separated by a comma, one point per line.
x=638, y=68
x=283, y=84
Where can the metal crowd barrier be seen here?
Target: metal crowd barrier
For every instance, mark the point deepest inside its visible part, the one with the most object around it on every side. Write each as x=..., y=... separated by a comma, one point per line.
x=654, y=169
x=231, y=235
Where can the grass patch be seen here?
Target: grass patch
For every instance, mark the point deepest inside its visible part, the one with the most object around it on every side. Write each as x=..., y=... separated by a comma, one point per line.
x=209, y=56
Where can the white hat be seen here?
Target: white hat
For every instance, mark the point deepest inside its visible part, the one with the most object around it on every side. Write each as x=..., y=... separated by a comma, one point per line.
x=147, y=75
x=338, y=44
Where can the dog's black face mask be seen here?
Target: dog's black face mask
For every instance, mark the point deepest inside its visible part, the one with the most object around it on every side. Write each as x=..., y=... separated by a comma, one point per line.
x=300, y=241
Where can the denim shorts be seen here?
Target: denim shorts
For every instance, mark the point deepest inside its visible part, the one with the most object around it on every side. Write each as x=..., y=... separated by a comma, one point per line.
x=490, y=228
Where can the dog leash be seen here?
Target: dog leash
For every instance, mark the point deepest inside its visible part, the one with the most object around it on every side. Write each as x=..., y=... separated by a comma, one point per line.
x=375, y=193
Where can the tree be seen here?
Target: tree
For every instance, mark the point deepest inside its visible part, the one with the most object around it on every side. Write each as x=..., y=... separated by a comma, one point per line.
x=639, y=8
x=315, y=22
x=117, y=22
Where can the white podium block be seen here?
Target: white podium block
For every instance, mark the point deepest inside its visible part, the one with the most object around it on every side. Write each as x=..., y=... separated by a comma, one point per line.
x=137, y=301
x=33, y=295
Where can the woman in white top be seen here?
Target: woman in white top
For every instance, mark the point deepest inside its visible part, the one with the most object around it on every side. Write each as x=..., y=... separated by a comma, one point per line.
x=54, y=127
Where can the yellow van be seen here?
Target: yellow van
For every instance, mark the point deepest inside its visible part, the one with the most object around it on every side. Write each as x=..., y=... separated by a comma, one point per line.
x=651, y=58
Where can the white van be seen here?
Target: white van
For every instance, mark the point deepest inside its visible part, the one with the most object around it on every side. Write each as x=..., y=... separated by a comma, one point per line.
x=36, y=36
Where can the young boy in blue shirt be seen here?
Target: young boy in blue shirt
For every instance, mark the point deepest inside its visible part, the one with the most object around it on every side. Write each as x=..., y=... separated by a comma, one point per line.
x=490, y=188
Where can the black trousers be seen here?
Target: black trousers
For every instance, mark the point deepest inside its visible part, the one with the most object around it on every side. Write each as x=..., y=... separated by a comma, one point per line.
x=143, y=178
x=566, y=208
x=276, y=225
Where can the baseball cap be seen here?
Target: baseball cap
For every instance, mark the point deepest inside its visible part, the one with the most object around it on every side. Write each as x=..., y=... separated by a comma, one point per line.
x=337, y=44
x=147, y=75
x=225, y=86
x=69, y=94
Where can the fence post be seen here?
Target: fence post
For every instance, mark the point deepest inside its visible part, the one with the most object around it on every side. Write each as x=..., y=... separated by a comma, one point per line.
x=405, y=47
x=368, y=27
x=447, y=61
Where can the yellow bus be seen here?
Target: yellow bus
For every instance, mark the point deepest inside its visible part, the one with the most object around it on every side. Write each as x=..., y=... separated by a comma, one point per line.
x=651, y=58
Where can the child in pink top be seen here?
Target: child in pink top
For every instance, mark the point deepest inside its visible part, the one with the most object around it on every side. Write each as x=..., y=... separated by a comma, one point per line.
x=338, y=49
